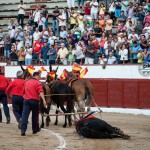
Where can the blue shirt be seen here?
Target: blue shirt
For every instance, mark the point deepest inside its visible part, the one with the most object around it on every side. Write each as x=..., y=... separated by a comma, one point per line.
x=52, y=56
x=135, y=49
x=44, y=52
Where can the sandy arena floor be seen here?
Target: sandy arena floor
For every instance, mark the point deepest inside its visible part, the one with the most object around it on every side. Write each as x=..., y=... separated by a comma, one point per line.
x=57, y=137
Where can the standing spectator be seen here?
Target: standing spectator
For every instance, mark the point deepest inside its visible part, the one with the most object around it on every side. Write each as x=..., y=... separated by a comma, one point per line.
x=10, y=26
x=82, y=4
x=112, y=8
x=124, y=6
x=13, y=56
x=31, y=18
x=45, y=15
x=55, y=25
x=32, y=90
x=41, y=22
x=16, y=89
x=28, y=55
x=12, y=35
x=45, y=34
x=143, y=42
x=19, y=35
x=18, y=45
x=62, y=54
x=80, y=21
x=37, y=49
x=94, y=10
x=36, y=35
x=43, y=53
x=61, y=20
x=7, y=47
x=130, y=10
x=21, y=56
x=73, y=19
x=96, y=48
x=36, y=15
x=4, y=82
x=139, y=27
x=28, y=38
x=73, y=37
x=89, y=55
x=2, y=35
x=108, y=26
x=118, y=9
x=102, y=10
x=141, y=14
x=1, y=47
x=51, y=38
x=52, y=55
x=21, y=12
x=124, y=54
x=87, y=10
x=70, y=3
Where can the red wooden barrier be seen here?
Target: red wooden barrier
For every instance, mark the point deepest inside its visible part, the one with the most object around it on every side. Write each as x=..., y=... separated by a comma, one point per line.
x=122, y=92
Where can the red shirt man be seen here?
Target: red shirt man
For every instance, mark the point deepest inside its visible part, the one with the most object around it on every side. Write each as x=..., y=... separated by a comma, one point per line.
x=4, y=82
x=38, y=46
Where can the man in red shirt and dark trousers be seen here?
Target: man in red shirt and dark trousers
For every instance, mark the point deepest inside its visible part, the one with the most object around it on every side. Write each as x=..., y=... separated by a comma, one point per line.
x=4, y=82
x=32, y=90
x=16, y=88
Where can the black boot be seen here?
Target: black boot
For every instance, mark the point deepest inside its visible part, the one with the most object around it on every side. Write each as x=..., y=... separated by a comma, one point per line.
x=0, y=115
x=8, y=120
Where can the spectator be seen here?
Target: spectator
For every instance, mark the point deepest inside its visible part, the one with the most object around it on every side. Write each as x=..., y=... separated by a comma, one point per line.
x=21, y=12
x=1, y=48
x=62, y=54
x=19, y=35
x=52, y=37
x=43, y=53
x=118, y=9
x=52, y=54
x=134, y=51
x=7, y=47
x=10, y=26
x=61, y=21
x=108, y=27
x=13, y=56
x=21, y=56
x=143, y=42
x=12, y=35
x=89, y=55
x=102, y=10
x=124, y=6
x=36, y=15
x=147, y=20
x=70, y=3
x=111, y=59
x=123, y=52
x=80, y=4
x=36, y=35
x=37, y=49
x=2, y=35
x=87, y=10
x=130, y=10
x=73, y=17
x=31, y=18
x=101, y=23
x=41, y=22
x=28, y=38
x=71, y=56
x=18, y=45
x=140, y=56
x=63, y=33
x=28, y=55
x=45, y=15
x=102, y=60
x=55, y=24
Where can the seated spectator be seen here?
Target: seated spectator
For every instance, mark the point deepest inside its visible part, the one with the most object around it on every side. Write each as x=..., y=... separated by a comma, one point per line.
x=122, y=18
x=28, y=55
x=18, y=45
x=28, y=38
x=134, y=51
x=63, y=33
x=123, y=52
x=111, y=59
x=21, y=56
x=101, y=23
x=13, y=56
x=97, y=31
x=102, y=60
x=36, y=35
x=143, y=42
x=108, y=26
x=19, y=35
x=45, y=34
x=121, y=28
x=140, y=56
x=84, y=37
x=52, y=54
x=146, y=54
x=73, y=37
x=140, y=14
x=51, y=38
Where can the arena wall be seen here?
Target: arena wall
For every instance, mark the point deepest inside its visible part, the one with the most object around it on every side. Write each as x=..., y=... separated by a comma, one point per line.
x=121, y=86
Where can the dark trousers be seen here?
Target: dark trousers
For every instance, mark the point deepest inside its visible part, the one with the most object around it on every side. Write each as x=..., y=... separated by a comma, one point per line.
x=3, y=99
x=0, y=115
x=28, y=106
x=17, y=103
x=21, y=17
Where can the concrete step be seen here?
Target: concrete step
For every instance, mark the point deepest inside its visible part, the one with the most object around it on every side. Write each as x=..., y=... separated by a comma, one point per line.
x=15, y=1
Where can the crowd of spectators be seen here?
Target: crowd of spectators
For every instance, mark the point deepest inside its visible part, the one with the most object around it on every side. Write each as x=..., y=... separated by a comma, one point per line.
x=95, y=33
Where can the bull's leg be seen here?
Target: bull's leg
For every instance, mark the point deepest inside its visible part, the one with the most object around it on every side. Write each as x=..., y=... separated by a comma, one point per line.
x=42, y=124
x=66, y=116
x=48, y=120
x=56, y=121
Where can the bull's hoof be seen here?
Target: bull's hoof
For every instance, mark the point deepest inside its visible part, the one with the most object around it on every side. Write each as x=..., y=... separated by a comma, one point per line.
x=55, y=123
x=64, y=125
x=42, y=125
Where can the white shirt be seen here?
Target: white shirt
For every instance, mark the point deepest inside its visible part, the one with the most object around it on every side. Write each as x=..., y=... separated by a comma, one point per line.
x=62, y=22
x=19, y=46
x=36, y=35
x=21, y=11
x=13, y=33
x=112, y=7
x=63, y=34
x=36, y=15
x=78, y=52
x=111, y=60
x=123, y=54
x=28, y=56
x=93, y=8
x=51, y=39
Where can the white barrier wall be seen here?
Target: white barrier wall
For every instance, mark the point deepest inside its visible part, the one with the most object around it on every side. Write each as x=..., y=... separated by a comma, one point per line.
x=96, y=71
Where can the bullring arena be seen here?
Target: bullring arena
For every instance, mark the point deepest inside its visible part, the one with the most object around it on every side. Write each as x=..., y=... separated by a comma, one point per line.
x=134, y=122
